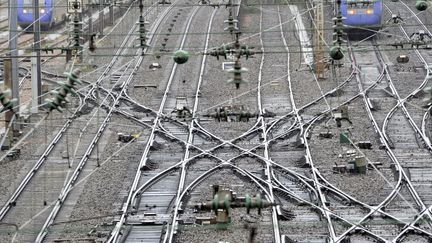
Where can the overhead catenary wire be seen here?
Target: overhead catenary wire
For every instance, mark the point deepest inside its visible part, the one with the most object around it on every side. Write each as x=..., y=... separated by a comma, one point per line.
x=307, y=10
x=254, y=34
x=161, y=53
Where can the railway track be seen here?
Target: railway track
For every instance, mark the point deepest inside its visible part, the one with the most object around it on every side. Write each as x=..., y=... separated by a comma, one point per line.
x=286, y=158
x=12, y=201
x=377, y=232
x=144, y=161
x=143, y=195
x=122, y=79
x=144, y=191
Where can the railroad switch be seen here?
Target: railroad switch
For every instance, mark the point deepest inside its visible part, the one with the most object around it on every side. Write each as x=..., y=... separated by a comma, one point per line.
x=419, y=38
x=342, y=114
x=327, y=134
x=231, y=113
x=355, y=164
x=126, y=138
x=395, y=18
x=181, y=110
x=364, y=144
x=183, y=113
x=13, y=154
x=155, y=66
x=224, y=199
x=155, y=145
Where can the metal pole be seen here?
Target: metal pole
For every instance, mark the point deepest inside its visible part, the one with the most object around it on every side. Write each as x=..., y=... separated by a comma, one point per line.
x=97, y=121
x=111, y=14
x=90, y=22
x=36, y=48
x=101, y=16
x=34, y=85
x=8, y=115
x=13, y=44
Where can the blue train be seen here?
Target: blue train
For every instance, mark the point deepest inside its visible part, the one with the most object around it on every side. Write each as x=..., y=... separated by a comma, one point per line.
x=362, y=14
x=49, y=16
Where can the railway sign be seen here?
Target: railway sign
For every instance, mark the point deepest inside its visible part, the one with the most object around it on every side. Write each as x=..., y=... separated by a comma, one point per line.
x=74, y=6
x=227, y=65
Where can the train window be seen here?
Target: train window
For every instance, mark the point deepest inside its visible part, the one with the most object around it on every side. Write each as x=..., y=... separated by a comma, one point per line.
x=28, y=3
x=359, y=3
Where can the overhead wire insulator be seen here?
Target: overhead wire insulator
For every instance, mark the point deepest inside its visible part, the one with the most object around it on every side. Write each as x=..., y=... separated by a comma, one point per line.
x=181, y=56
x=142, y=37
x=421, y=5
x=338, y=35
x=237, y=71
x=60, y=96
x=6, y=101
x=92, y=45
x=232, y=23
x=336, y=52
x=76, y=32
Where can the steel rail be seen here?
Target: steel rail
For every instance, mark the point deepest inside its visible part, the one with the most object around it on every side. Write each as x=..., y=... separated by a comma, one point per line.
x=315, y=101
x=329, y=186
x=376, y=209
x=17, y=192
x=191, y=129
x=401, y=102
x=321, y=196
x=424, y=123
x=115, y=232
x=207, y=173
x=390, y=81
x=286, y=190
x=70, y=183
x=402, y=174
x=174, y=166
x=127, y=98
x=316, y=173
x=264, y=132
x=158, y=177
x=283, y=188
